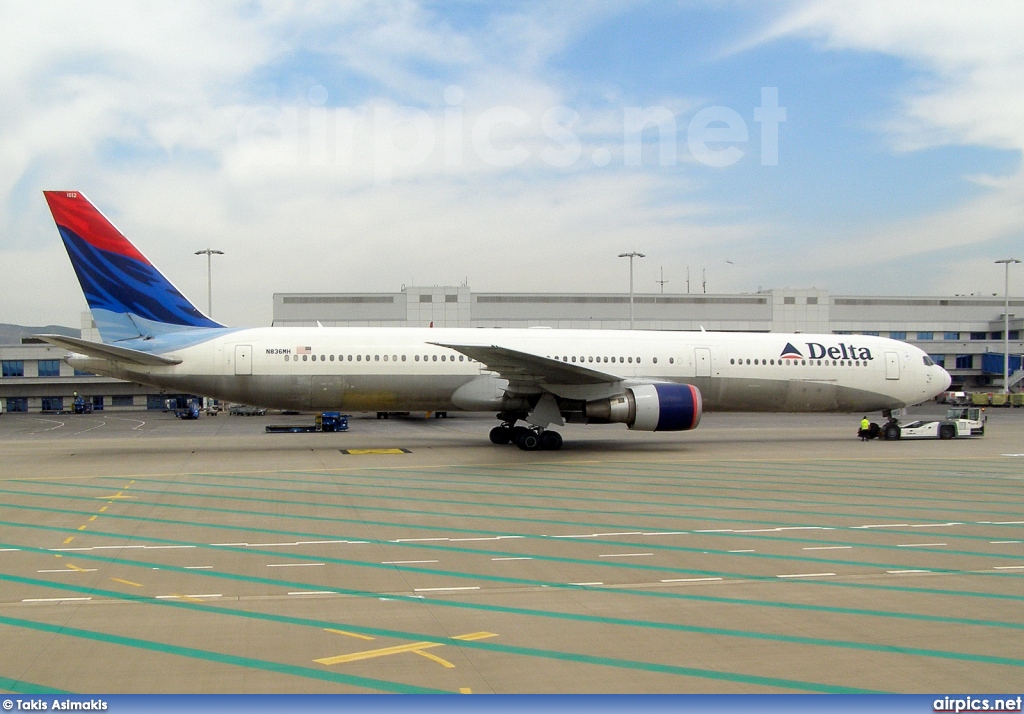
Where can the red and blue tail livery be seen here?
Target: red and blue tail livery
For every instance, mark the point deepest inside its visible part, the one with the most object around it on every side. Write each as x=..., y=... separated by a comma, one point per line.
x=129, y=298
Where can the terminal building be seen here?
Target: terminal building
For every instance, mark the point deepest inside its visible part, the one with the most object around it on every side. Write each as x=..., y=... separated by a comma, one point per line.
x=962, y=333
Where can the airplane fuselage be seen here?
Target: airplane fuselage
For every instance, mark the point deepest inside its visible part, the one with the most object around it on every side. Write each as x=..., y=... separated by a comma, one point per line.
x=403, y=369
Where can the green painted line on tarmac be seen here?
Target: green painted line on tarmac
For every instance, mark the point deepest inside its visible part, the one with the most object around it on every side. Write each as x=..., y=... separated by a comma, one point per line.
x=787, y=539
x=220, y=658
x=700, y=598
x=556, y=559
x=986, y=659
x=573, y=499
x=449, y=501
x=472, y=644
x=18, y=686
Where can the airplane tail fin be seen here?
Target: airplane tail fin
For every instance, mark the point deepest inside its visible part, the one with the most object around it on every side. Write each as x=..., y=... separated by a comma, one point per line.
x=129, y=298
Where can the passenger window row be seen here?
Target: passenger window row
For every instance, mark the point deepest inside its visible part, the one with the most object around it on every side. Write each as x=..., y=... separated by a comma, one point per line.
x=374, y=358
x=804, y=362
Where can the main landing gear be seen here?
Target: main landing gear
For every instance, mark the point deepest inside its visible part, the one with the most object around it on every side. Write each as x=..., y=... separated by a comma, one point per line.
x=526, y=438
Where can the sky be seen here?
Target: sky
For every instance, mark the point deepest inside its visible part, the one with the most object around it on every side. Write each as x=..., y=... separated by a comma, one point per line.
x=856, y=146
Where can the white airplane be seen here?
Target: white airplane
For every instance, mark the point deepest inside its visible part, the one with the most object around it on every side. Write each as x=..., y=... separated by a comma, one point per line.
x=648, y=380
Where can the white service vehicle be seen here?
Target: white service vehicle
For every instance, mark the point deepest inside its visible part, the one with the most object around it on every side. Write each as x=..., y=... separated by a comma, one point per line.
x=961, y=421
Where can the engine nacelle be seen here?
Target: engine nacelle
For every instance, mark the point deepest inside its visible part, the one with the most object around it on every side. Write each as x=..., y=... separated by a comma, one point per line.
x=650, y=407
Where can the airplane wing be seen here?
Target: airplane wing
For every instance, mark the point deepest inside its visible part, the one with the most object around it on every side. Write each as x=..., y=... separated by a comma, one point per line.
x=525, y=369
x=105, y=351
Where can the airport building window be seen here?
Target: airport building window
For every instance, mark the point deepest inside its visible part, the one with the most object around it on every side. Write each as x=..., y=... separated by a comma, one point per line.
x=17, y=404
x=13, y=368
x=812, y=301
x=965, y=361
x=997, y=335
x=426, y=298
x=953, y=336
x=789, y=301
x=1014, y=334
x=451, y=298
x=870, y=334
x=53, y=404
x=939, y=360
x=80, y=373
x=978, y=336
x=123, y=400
x=898, y=335
x=926, y=335
x=49, y=368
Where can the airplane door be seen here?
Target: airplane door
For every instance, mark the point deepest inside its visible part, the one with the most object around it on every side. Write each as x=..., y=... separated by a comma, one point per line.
x=892, y=365
x=243, y=359
x=702, y=361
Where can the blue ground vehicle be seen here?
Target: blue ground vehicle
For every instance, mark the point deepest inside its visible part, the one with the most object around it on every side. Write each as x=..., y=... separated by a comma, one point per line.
x=326, y=421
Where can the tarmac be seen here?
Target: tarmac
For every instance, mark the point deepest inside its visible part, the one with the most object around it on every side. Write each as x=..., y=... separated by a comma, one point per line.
x=140, y=553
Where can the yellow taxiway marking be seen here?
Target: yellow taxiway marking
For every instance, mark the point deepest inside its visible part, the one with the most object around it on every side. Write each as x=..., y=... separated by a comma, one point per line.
x=188, y=599
x=75, y=567
x=68, y=539
x=93, y=518
x=127, y=582
x=104, y=508
x=443, y=662
x=361, y=452
x=82, y=528
x=350, y=634
x=416, y=647
x=119, y=494
x=465, y=690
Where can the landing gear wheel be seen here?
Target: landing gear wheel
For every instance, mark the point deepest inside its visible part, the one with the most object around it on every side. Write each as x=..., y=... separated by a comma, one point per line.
x=550, y=441
x=891, y=432
x=501, y=434
x=528, y=440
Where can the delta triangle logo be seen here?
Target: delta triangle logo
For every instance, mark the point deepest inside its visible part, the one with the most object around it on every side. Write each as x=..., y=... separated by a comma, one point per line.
x=791, y=352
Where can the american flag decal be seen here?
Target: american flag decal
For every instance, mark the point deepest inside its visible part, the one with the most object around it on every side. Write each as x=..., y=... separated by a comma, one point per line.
x=303, y=350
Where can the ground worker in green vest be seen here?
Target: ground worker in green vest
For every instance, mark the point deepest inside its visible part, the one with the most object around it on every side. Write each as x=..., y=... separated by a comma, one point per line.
x=865, y=429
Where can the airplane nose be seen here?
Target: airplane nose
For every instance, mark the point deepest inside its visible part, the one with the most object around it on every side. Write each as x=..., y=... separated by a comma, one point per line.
x=945, y=380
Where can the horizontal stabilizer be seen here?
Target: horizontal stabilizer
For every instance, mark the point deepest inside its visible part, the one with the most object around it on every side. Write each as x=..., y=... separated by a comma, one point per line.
x=111, y=352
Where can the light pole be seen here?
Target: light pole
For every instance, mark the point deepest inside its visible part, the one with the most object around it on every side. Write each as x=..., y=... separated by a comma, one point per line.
x=632, y=255
x=209, y=253
x=1006, y=322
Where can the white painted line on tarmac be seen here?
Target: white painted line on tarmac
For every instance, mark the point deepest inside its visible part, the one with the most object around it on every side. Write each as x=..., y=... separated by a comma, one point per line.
x=178, y=597
x=578, y=535
x=313, y=592
x=292, y=565
x=1007, y=523
x=601, y=535
x=504, y=537
x=689, y=580
x=595, y=583
x=716, y=530
x=805, y=575
x=516, y=558
x=405, y=562
x=898, y=572
x=742, y=551
x=318, y=542
x=884, y=525
x=55, y=599
x=829, y=547
x=998, y=542
x=1008, y=567
x=658, y=533
x=414, y=540
x=434, y=590
x=935, y=525
x=920, y=545
x=624, y=555
x=66, y=570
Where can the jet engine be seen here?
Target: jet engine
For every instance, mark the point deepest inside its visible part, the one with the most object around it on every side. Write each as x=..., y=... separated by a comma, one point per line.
x=649, y=407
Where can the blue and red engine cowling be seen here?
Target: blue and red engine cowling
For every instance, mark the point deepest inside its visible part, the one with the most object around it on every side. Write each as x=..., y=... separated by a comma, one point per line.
x=649, y=407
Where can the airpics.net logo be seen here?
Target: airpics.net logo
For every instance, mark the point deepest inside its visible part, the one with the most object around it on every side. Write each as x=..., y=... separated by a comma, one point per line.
x=385, y=141
x=816, y=350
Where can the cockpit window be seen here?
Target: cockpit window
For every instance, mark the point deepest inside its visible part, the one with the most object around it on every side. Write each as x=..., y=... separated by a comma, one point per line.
x=928, y=361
